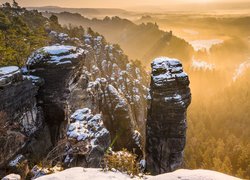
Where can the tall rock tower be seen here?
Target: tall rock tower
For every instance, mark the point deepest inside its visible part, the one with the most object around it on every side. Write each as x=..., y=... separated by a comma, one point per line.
x=166, y=125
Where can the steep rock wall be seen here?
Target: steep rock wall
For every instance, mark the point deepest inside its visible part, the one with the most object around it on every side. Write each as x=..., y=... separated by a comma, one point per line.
x=58, y=66
x=119, y=87
x=20, y=116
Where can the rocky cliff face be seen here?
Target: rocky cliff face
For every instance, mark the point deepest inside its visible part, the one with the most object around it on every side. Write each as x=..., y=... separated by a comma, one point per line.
x=59, y=66
x=115, y=87
x=96, y=76
x=20, y=117
x=166, y=124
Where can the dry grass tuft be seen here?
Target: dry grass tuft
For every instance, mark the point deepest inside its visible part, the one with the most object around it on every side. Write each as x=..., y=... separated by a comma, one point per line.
x=123, y=161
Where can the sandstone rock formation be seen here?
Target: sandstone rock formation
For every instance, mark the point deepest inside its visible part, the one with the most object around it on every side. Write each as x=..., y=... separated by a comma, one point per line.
x=119, y=118
x=166, y=124
x=20, y=117
x=58, y=65
x=120, y=86
x=88, y=139
x=97, y=76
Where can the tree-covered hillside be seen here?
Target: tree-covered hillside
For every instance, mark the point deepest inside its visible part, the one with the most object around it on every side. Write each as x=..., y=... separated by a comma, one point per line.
x=218, y=131
x=144, y=42
x=23, y=31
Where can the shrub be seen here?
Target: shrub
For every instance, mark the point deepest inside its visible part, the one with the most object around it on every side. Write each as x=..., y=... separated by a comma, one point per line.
x=123, y=161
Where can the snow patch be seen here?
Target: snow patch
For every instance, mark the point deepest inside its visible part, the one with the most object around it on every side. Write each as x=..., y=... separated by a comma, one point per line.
x=56, y=54
x=8, y=70
x=16, y=161
x=84, y=125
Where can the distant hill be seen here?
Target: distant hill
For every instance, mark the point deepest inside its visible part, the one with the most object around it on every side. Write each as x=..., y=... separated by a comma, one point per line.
x=82, y=11
x=144, y=41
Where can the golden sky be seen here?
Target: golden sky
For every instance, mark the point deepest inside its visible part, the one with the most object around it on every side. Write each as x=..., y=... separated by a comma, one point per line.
x=112, y=3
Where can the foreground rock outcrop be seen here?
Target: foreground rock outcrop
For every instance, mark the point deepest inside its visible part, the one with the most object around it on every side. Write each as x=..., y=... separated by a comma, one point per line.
x=20, y=117
x=166, y=124
x=98, y=174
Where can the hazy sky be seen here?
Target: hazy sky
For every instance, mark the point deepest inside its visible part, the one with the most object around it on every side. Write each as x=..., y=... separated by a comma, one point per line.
x=111, y=3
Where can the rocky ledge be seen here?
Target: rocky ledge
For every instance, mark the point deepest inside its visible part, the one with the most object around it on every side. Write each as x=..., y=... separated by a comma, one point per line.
x=98, y=174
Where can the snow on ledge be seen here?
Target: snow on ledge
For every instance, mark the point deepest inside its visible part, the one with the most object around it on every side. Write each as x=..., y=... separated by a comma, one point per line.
x=58, y=49
x=97, y=174
x=8, y=70
x=9, y=74
x=164, y=62
x=55, y=54
x=166, y=70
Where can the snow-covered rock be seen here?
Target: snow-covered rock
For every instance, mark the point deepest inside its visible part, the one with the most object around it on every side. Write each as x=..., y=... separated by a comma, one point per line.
x=87, y=136
x=92, y=80
x=9, y=74
x=166, y=124
x=58, y=66
x=56, y=54
x=121, y=97
x=121, y=122
x=165, y=70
